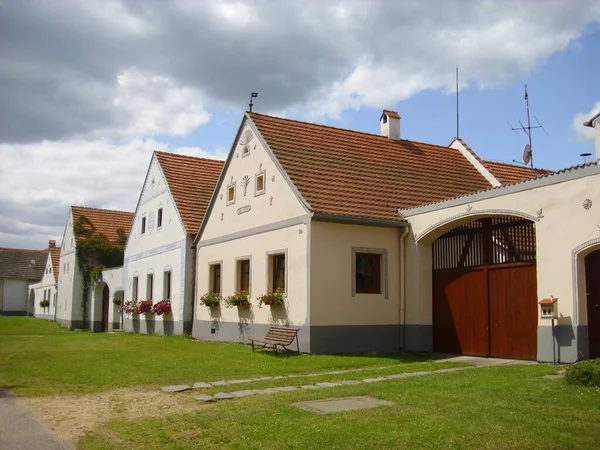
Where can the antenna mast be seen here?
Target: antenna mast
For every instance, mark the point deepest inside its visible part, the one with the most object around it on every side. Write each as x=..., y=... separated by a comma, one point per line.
x=527, y=130
x=457, y=116
x=252, y=95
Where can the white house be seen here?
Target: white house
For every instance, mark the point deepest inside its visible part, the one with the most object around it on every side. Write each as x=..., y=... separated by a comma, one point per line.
x=159, y=256
x=73, y=309
x=19, y=268
x=312, y=210
x=46, y=289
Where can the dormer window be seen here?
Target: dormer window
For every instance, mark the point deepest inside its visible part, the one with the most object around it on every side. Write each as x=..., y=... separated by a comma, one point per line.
x=231, y=194
x=245, y=151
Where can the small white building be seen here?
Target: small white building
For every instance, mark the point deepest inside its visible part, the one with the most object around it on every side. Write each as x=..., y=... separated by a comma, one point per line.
x=71, y=303
x=159, y=255
x=18, y=269
x=43, y=294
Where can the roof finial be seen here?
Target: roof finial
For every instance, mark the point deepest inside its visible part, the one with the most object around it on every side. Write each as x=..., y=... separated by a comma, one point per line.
x=252, y=95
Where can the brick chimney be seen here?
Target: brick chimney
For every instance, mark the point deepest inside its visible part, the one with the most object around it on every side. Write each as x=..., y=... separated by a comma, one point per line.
x=390, y=124
x=51, y=243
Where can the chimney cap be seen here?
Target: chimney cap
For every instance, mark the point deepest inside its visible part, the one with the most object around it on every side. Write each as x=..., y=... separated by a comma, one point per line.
x=51, y=243
x=390, y=113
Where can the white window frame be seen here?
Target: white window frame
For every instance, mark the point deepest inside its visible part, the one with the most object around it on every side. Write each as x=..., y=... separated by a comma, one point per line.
x=384, y=270
x=229, y=186
x=262, y=174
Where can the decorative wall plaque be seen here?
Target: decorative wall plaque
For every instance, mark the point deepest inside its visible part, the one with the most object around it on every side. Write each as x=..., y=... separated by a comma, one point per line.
x=587, y=203
x=245, y=183
x=244, y=209
x=247, y=136
x=151, y=220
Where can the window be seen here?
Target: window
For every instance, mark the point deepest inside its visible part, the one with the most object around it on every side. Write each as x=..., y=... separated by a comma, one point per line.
x=278, y=273
x=167, y=285
x=159, y=218
x=259, y=184
x=143, y=225
x=368, y=273
x=231, y=194
x=134, y=289
x=244, y=275
x=150, y=286
x=215, y=278
x=245, y=151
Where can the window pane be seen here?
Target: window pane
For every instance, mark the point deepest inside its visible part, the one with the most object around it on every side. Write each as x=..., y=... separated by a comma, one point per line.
x=245, y=275
x=143, y=225
x=167, y=285
x=278, y=273
x=216, y=279
x=159, y=218
x=368, y=273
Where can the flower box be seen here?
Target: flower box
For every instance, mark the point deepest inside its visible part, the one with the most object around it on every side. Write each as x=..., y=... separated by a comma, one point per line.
x=116, y=301
x=210, y=299
x=271, y=299
x=143, y=306
x=162, y=307
x=239, y=299
x=129, y=307
x=44, y=303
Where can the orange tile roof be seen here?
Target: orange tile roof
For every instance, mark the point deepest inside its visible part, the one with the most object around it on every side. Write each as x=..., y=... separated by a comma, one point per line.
x=511, y=173
x=55, y=254
x=349, y=173
x=192, y=182
x=106, y=221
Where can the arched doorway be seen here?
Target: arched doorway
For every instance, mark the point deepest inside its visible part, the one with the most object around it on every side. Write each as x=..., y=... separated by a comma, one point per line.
x=105, y=306
x=592, y=288
x=485, y=289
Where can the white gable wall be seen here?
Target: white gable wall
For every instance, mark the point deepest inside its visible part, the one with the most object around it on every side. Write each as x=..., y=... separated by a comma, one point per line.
x=46, y=288
x=157, y=250
x=253, y=226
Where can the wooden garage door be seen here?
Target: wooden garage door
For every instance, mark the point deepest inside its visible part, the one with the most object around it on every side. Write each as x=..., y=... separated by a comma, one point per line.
x=485, y=289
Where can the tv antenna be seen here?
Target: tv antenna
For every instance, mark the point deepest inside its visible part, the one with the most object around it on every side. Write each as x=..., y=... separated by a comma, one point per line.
x=528, y=150
x=252, y=95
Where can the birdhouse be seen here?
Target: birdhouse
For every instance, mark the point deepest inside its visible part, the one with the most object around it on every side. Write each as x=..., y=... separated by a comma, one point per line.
x=549, y=308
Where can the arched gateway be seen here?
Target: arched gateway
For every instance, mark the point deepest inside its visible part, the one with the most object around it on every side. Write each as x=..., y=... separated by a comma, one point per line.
x=485, y=289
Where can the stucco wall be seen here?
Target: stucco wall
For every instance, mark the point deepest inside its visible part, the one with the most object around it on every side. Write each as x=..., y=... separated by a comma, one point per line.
x=341, y=321
x=565, y=232
x=47, y=284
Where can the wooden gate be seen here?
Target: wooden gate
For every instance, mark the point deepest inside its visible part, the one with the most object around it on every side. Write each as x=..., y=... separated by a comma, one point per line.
x=485, y=289
x=592, y=277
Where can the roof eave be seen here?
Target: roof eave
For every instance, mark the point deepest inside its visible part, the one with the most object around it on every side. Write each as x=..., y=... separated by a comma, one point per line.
x=352, y=220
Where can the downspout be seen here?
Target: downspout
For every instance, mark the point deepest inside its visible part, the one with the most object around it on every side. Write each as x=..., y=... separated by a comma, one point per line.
x=402, y=312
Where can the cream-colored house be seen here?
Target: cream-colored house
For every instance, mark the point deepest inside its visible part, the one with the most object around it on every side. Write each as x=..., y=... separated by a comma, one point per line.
x=44, y=291
x=72, y=309
x=313, y=210
x=159, y=255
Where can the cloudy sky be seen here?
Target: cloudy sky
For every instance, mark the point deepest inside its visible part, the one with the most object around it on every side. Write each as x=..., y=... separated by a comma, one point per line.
x=88, y=89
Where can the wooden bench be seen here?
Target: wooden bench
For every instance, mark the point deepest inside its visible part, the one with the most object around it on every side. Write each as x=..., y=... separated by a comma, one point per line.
x=279, y=336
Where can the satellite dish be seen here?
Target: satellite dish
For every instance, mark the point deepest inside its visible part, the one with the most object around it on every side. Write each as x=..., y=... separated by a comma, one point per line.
x=527, y=154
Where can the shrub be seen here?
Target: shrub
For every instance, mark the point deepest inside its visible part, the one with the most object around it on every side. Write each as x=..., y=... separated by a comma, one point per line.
x=585, y=373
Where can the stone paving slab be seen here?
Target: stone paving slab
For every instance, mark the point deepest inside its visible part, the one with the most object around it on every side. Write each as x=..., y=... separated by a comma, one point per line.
x=309, y=386
x=219, y=383
x=334, y=405
x=350, y=382
x=177, y=388
x=264, y=391
x=326, y=384
x=245, y=393
x=223, y=396
x=239, y=381
x=374, y=380
x=204, y=398
x=201, y=386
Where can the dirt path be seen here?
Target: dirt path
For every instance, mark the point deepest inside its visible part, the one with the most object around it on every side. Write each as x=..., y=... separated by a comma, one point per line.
x=72, y=416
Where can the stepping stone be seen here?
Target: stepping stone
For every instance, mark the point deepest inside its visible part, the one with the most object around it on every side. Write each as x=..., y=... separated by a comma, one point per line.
x=219, y=383
x=373, y=380
x=337, y=372
x=454, y=369
x=201, y=385
x=350, y=382
x=222, y=396
x=203, y=398
x=309, y=386
x=279, y=377
x=178, y=388
x=264, y=391
x=553, y=377
x=286, y=388
x=242, y=393
x=334, y=405
x=325, y=384
x=262, y=379
x=239, y=381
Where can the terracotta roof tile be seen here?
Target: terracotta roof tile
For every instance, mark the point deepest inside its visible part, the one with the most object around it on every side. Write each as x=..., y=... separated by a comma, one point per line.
x=106, y=221
x=192, y=182
x=391, y=113
x=55, y=254
x=22, y=264
x=511, y=173
x=344, y=172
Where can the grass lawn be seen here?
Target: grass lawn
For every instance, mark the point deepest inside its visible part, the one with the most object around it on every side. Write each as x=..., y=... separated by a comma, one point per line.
x=508, y=407
x=42, y=358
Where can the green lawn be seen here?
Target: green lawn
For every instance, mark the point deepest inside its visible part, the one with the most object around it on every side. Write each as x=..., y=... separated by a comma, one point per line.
x=508, y=407
x=42, y=358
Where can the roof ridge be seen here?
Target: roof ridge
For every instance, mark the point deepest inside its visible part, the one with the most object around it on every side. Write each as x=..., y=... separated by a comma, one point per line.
x=89, y=208
x=179, y=155
x=516, y=165
x=44, y=250
x=349, y=130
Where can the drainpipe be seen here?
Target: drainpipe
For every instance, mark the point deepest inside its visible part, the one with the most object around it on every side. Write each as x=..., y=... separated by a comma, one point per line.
x=402, y=312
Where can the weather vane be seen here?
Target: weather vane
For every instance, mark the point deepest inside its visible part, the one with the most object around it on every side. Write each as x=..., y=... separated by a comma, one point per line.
x=252, y=95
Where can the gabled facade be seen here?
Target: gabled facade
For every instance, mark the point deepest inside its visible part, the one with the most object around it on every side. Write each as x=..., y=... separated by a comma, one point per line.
x=159, y=256
x=69, y=307
x=47, y=288
x=323, y=224
x=19, y=268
